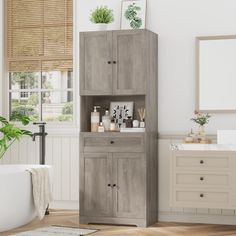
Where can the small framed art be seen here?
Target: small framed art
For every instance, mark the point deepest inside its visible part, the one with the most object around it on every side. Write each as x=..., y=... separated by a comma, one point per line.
x=133, y=14
x=120, y=111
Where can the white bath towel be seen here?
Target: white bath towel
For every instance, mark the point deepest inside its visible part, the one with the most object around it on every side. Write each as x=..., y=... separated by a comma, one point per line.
x=41, y=189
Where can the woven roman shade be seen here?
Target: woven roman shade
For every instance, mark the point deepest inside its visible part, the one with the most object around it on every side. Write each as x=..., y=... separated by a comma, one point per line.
x=39, y=35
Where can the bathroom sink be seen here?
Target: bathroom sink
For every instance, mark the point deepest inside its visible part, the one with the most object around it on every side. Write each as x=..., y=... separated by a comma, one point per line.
x=226, y=137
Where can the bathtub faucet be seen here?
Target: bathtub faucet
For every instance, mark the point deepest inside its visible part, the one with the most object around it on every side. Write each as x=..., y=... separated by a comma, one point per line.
x=42, y=138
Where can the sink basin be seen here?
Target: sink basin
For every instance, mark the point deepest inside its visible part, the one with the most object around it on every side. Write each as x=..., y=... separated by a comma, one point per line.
x=226, y=137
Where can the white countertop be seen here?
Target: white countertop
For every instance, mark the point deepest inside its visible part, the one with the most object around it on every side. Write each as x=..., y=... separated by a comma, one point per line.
x=203, y=147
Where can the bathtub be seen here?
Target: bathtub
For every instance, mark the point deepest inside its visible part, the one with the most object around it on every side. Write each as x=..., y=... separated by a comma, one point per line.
x=16, y=196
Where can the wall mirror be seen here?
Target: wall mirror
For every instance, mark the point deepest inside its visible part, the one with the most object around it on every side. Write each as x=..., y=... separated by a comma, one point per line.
x=216, y=74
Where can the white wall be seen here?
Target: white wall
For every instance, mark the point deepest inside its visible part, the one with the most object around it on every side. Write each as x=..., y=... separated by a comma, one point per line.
x=177, y=24
x=1, y=52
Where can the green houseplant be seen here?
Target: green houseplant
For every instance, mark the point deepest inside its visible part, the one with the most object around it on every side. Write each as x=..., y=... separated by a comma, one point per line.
x=102, y=16
x=9, y=133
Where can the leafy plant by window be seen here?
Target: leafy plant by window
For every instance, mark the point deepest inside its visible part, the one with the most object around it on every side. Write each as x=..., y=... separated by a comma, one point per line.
x=9, y=133
x=131, y=14
x=102, y=14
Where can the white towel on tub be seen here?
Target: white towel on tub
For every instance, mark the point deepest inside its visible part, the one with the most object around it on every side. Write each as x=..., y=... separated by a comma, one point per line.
x=41, y=189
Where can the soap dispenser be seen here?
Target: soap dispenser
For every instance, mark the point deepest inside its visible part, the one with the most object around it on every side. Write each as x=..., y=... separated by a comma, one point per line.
x=95, y=119
x=106, y=120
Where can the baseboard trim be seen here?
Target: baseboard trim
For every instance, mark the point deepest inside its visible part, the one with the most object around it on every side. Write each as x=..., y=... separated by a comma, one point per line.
x=69, y=205
x=196, y=218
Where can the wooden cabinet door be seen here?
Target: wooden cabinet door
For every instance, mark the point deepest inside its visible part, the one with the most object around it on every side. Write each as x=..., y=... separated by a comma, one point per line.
x=129, y=176
x=95, y=176
x=129, y=62
x=96, y=63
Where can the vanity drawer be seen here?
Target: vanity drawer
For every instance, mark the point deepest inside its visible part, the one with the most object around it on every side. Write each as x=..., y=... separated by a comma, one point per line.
x=202, y=162
x=199, y=198
x=114, y=143
x=202, y=179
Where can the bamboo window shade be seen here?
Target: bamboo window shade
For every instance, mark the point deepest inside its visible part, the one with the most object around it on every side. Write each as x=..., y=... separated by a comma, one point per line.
x=39, y=35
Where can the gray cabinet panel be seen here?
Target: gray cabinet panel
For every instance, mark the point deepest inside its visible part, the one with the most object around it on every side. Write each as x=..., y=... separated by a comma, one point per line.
x=95, y=70
x=96, y=194
x=130, y=56
x=129, y=176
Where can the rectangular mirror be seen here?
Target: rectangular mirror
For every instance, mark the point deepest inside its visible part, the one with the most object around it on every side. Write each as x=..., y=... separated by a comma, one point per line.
x=216, y=74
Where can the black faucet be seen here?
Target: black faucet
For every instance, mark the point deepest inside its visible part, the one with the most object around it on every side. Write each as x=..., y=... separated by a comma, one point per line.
x=42, y=135
x=42, y=148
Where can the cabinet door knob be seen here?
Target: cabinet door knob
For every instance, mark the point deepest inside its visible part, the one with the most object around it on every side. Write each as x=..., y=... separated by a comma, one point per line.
x=109, y=185
x=112, y=142
x=109, y=62
x=201, y=162
x=201, y=178
x=114, y=62
x=201, y=195
x=114, y=185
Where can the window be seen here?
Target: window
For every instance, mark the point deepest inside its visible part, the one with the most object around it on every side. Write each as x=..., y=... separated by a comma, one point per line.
x=40, y=59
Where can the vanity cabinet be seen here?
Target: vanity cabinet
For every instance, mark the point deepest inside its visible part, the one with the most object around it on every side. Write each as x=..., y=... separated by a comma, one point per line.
x=203, y=179
x=114, y=62
x=118, y=171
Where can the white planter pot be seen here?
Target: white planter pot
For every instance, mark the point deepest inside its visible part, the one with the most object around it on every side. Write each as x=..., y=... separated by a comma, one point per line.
x=101, y=26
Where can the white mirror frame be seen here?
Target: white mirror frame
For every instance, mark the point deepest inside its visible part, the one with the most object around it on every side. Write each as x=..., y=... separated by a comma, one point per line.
x=197, y=99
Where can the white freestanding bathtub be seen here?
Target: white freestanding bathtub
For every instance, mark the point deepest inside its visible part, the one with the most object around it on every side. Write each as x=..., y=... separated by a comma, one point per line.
x=16, y=196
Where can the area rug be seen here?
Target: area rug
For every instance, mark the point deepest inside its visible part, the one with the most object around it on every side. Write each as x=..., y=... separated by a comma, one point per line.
x=58, y=231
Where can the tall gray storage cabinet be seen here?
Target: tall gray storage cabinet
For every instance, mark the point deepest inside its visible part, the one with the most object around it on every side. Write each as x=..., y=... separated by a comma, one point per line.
x=118, y=171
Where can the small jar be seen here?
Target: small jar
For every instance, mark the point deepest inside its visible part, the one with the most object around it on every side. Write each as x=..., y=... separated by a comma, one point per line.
x=135, y=123
x=101, y=128
x=129, y=122
x=112, y=126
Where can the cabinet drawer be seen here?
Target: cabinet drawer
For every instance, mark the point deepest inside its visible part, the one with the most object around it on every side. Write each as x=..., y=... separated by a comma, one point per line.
x=202, y=179
x=114, y=144
x=202, y=162
x=201, y=197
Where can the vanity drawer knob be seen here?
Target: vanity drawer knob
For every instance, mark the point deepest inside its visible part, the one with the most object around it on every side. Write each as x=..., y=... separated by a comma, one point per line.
x=114, y=62
x=201, y=195
x=109, y=185
x=114, y=185
x=201, y=178
x=109, y=62
x=112, y=142
x=201, y=162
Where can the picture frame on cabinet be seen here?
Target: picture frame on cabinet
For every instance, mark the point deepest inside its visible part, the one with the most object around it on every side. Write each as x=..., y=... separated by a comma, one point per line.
x=120, y=111
x=133, y=14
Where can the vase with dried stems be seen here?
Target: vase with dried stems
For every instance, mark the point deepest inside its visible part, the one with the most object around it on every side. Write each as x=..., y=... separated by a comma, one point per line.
x=141, y=112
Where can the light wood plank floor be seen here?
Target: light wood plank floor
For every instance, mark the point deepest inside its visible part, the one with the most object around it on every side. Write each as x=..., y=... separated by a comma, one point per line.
x=71, y=218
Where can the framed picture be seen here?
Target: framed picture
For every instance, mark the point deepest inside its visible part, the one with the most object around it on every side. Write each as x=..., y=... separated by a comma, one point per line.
x=133, y=14
x=120, y=111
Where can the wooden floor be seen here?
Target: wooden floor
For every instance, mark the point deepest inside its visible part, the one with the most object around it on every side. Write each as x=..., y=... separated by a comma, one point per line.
x=71, y=218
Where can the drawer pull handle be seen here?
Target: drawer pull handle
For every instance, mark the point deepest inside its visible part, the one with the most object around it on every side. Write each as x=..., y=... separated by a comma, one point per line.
x=112, y=142
x=201, y=178
x=201, y=162
x=201, y=195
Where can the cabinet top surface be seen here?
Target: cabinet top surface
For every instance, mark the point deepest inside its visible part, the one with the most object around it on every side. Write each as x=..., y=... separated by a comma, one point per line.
x=203, y=147
x=126, y=30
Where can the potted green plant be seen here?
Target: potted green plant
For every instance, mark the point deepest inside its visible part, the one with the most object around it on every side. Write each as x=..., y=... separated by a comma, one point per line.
x=102, y=16
x=9, y=133
x=201, y=119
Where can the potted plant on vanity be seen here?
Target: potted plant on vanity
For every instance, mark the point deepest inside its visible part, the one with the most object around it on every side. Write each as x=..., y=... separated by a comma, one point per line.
x=201, y=119
x=102, y=16
x=9, y=133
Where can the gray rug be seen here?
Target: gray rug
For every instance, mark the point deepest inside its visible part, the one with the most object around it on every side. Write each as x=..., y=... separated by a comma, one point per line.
x=57, y=231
